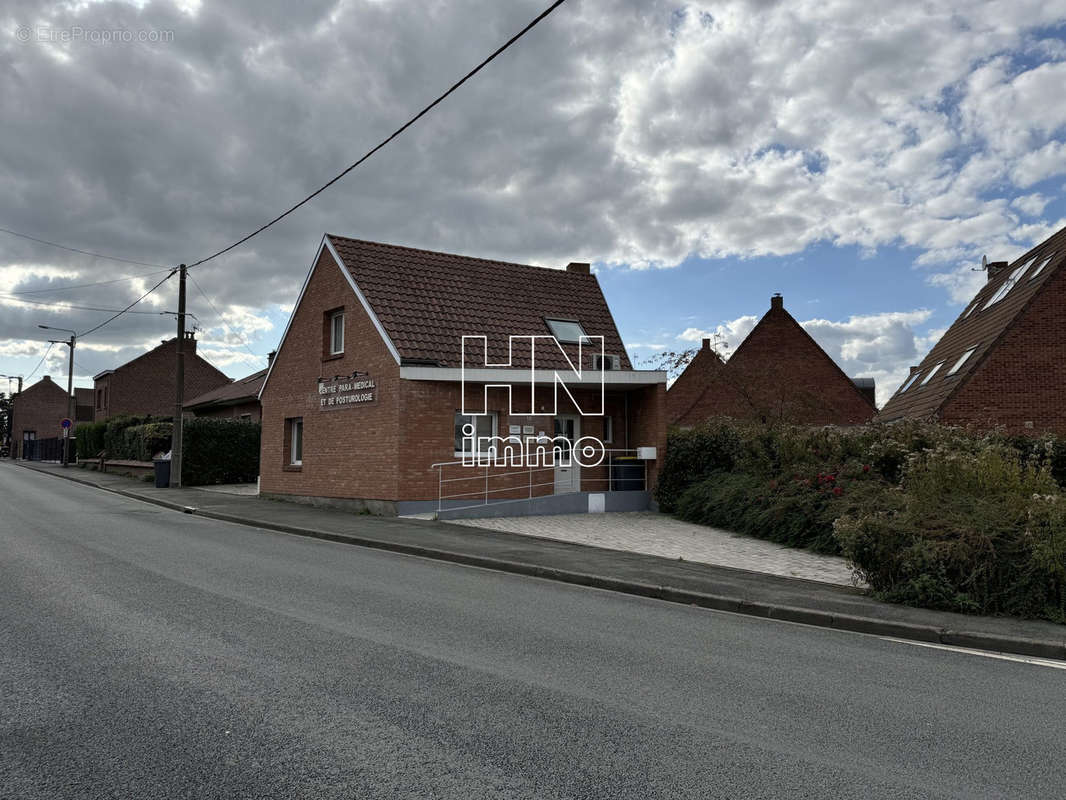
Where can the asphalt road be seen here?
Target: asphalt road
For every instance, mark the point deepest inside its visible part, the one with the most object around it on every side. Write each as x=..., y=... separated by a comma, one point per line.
x=146, y=653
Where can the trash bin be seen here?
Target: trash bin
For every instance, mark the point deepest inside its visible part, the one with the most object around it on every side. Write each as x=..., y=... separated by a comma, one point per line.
x=162, y=470
x=627, y=474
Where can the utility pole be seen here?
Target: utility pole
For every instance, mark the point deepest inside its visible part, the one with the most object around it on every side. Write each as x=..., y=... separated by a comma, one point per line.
x=179, y=380
x=70, y=386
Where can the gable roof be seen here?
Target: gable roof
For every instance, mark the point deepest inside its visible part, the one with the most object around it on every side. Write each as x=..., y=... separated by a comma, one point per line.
x=980, y=327
x=427, y=301
x=242, y=390
x=190, y=353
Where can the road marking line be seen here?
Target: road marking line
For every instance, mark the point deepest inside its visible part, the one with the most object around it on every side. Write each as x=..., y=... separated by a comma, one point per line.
x=1039, y=662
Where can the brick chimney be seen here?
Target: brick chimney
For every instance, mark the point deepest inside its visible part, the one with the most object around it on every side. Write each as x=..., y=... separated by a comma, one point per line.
x=994, y=268
x=777, y=301
x=270, y=357
x=579, y=268
x=706, y=344
x=190, y=343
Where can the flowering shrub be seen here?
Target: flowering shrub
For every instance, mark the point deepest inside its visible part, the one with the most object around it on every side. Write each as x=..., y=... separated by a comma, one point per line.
x=928, y=515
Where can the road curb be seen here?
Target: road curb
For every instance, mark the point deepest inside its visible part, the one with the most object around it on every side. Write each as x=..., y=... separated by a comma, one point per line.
x=806, y=616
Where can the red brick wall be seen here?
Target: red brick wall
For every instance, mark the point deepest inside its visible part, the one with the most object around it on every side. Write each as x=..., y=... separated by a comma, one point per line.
x=146, y=385
x=38, y=408
x=778, y=373
x=350, y=452
x=1023, y=378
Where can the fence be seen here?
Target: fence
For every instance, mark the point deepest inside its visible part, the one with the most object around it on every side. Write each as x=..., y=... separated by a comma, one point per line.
x=494, y=480
x=46, y=449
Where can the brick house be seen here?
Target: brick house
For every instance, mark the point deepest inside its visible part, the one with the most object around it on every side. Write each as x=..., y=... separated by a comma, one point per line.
x=146, y=384
x=38, y=411
x=236, y=400
x=777, y=373
x=365, y=394
x=1002, y=363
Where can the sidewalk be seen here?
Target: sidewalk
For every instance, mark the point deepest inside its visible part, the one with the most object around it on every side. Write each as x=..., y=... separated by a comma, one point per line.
x=720, y=588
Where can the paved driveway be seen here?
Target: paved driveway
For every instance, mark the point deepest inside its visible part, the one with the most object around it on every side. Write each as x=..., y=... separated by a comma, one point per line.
x=660, y=535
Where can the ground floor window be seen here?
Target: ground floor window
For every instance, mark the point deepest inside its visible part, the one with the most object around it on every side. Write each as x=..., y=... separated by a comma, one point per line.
x=295, y=430
x=608, y=429
x=484, y=425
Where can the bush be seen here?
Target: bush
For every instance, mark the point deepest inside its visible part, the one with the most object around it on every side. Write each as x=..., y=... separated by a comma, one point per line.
x=219, y=450
x=979, y=533
x=89, y=439
x=928, y=515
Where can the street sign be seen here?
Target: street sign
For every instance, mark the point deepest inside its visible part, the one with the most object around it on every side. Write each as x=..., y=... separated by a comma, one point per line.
x=65, y=423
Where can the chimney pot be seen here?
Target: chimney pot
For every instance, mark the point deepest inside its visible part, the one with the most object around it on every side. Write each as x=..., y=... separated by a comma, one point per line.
x=777, y=301
x=579, y=268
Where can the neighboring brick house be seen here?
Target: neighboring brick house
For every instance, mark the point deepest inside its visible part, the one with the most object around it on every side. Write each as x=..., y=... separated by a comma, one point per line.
x=379, y=328
x=236, y=400
x=146, y=384
x=1002, y=363
x=36, y=414
x=777, y=373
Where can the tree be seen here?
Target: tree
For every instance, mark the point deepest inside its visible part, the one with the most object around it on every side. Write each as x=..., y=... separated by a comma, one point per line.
x=5, y=420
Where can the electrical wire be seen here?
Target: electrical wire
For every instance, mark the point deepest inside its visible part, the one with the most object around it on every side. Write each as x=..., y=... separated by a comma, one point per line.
x=62, y=304
x=388, y=139
x=220, y=317
x=83, y=252
x=109, y=320
x=95, y=283
x=46, y=352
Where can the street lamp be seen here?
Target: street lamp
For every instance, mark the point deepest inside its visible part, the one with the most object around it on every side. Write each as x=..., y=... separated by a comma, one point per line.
x=70, y=385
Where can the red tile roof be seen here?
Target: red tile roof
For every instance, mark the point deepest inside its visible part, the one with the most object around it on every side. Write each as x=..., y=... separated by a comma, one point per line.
x=427, y=301
x=981, y=325
x=239, y=391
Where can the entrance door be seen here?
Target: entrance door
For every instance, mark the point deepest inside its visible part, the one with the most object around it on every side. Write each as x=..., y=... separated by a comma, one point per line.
x=28, y=450
x=567, y=470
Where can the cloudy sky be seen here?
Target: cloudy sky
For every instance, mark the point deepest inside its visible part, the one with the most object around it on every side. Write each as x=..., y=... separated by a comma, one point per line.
x=857, y=157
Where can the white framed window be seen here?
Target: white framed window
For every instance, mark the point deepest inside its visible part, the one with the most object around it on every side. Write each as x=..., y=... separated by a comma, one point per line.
x=962, y=360
x=296, y=441
x=485, y=425
x=336, y=333
x=566, y=330
x=1007, y=285
x=910, y=381
x=1043, y=264
x=932, y=372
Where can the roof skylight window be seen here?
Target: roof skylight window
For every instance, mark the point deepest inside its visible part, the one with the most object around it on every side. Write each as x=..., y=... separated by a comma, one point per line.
x=962, y=360
x=932, y=372
x=567, y=330
x=907, y=383
x=1007, y=285
x=1040, y=268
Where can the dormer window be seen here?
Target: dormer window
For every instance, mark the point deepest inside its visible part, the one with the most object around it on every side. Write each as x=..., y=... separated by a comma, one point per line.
x=567, y=330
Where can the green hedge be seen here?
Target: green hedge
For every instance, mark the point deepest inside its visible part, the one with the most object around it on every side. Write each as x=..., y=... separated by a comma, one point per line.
x=219, y=451
x=927, y=514
x=215, y=450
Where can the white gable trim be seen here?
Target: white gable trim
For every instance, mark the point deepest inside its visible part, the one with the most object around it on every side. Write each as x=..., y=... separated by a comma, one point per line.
x=325, y=244
x=362, y=299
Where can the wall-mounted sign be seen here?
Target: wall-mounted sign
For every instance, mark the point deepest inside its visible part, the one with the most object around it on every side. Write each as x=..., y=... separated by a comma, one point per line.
x=344, y=391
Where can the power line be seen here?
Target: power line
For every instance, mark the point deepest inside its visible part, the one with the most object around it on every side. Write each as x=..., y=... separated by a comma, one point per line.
x=83, y=252
x=62, y=304
x=95, y=283
x=220, y=317
x=127, y=308
x=46, y=352
x=388, y=139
